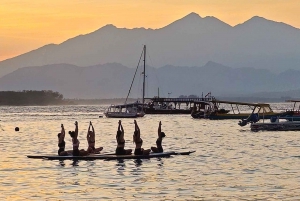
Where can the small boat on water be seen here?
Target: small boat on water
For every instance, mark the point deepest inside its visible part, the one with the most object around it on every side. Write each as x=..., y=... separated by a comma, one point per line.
x=294, y=113
x=129, y=110
x=277, y=122
x=158, y=105
x=275, y=125
x=132, y=110
x=218, y=110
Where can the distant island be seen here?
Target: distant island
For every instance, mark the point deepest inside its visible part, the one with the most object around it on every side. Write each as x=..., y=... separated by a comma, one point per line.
x=49, y=97
x=30, y=97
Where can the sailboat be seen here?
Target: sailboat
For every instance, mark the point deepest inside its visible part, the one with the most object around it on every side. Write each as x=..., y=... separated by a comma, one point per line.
x=129, y=110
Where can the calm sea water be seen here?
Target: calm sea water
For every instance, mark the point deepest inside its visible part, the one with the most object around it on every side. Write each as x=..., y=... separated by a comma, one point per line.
x=230, y=163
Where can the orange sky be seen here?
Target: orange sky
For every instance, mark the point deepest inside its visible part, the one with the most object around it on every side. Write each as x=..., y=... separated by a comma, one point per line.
x=28, y=24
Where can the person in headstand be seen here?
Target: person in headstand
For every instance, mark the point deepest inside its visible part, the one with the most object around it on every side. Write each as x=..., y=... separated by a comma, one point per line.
x=138, y=141
x=75, y=141
x=91, y=140
x=121, y=142
x=61, y=142
x=161, y=135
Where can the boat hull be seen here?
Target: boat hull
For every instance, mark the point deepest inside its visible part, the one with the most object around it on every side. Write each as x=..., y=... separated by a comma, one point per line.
x=120, y=115
x=166, y=111
x=276, y=126
x=238, y=116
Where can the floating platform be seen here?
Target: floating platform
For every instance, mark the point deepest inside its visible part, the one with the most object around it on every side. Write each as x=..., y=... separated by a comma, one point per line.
x=110, y=156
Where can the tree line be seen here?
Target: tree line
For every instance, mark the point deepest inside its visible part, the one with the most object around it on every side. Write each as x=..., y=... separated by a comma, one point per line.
x=31, y=97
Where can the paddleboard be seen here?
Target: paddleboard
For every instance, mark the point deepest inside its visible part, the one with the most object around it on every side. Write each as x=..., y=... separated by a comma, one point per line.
x=46, y=156
x=110, y=156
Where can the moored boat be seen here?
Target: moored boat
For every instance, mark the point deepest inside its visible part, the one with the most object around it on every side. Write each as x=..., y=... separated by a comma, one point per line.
x=133, y=110
x=158, y=105
x=129, y=110
x=233, y=110
x=275, y=125
x=294, y=113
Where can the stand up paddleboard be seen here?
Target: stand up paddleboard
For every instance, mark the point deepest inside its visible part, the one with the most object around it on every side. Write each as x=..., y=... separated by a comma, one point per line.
x=111, y=156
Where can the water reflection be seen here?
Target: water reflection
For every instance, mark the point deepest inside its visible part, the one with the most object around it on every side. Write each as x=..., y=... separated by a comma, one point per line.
x=120, y=167
x=62, y=163
x=161, y=162
x=120, y=163
x=75, y=163
x=138, y=162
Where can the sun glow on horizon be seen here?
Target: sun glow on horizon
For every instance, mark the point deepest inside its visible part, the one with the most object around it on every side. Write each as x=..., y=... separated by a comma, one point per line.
x=26, y=25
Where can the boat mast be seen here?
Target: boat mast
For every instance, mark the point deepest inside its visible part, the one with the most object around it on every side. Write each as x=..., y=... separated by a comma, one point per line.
x=144, y=76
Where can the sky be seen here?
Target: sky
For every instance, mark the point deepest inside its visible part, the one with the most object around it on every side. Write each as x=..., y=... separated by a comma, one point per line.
x=26, y=25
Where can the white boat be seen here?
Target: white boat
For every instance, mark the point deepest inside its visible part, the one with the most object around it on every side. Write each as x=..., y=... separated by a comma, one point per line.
x=276, y=124
x=132, y=110
x=129, y=110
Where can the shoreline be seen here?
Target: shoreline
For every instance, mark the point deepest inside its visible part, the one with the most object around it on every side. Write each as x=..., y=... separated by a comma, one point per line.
x=115, y=101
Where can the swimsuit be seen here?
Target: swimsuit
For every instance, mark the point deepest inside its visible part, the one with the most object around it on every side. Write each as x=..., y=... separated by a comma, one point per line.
x=120, y=151
x=138, y=151
x=61, y=147
x=159, y=146
x=76, y=151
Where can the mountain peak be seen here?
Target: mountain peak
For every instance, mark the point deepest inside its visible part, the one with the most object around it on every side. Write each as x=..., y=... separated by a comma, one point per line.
x=260, y=22
x=108, y=27
x=257, y=19
x=197, y=24
x=192, y=15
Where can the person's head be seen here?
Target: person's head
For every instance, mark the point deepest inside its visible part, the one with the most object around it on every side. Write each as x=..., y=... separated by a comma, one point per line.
x=58, y=135
x=72, y=134
x=90, y=132
x=162, y=134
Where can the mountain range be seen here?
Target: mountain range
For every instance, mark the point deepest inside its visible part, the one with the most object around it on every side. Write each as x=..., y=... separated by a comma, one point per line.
x=113, y=80
x=189, y=56
x=190, y=41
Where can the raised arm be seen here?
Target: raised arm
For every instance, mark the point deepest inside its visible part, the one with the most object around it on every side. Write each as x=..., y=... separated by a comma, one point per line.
x=62, y=134
x=92, y=127
x=121, y=129
x=119, y=126
x=159, y=129
x=137, y=129
x=88, y=132
x=76, y=129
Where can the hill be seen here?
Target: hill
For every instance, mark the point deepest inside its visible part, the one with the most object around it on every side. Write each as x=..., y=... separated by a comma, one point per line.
x=190, y=41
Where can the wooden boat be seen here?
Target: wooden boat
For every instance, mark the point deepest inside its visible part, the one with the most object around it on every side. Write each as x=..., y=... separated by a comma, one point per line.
x=294, y=113
x=213, y=110
x=159, y=105
x=202, y=109
x=129, y=110
x=275, y=125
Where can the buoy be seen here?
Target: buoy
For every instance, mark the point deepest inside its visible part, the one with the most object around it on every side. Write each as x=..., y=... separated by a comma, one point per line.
x=17, y=129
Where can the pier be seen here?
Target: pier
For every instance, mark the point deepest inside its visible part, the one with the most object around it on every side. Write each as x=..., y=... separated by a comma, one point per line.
x=178, y=101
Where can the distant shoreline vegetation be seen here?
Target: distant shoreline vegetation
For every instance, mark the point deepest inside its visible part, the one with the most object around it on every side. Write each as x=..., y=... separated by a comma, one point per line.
x=109, y=101
x=31, y=97
x=49, y=97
